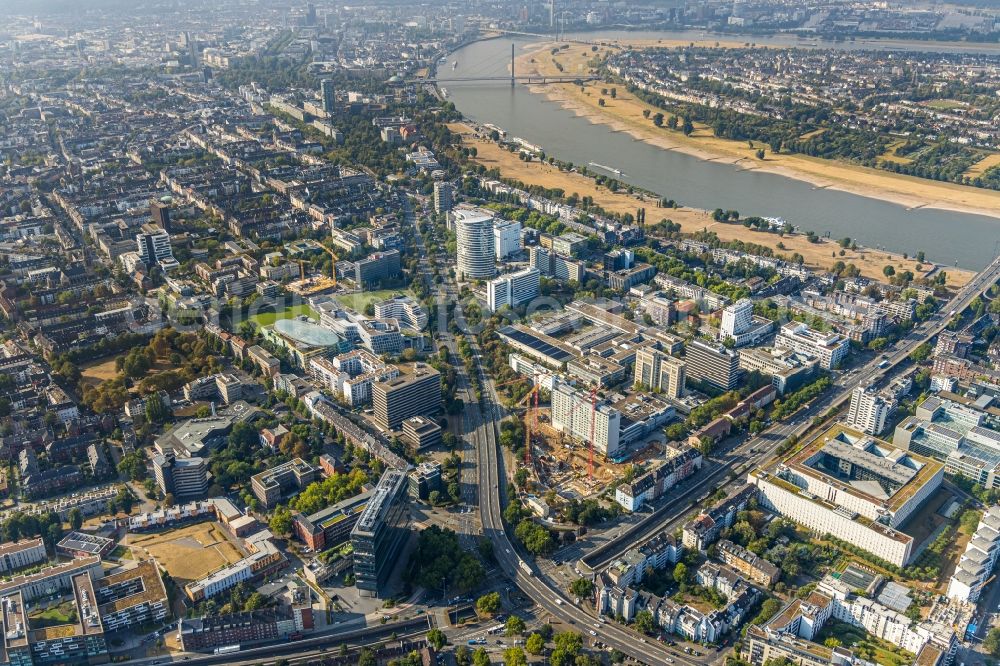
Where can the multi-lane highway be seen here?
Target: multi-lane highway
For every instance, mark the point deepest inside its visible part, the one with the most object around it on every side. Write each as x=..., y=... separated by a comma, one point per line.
x=492, y=486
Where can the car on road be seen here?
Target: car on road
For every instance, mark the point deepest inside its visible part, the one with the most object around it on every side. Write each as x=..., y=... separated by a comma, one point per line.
x=593, y=633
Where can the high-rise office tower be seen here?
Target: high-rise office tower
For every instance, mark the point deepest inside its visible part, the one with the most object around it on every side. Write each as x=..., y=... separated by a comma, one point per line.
x=713, y=364
x=380, y=533
x=476, y=253
x=329, y=96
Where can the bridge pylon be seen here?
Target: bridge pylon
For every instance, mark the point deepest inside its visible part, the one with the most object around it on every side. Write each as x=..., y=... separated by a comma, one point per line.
x=512, y=64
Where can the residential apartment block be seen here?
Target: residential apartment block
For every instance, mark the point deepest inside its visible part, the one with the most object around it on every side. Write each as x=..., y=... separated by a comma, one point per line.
x=407, y=311
x=829, y=348
x=791, y=633
x=751, y=565
x=19, y=554
x=977, y=563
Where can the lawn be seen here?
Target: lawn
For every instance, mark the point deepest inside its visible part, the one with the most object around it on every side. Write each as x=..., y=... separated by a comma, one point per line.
x=188, y=553
x=890, y=154
x=62, y=613
x=95, y=373
x=864, y=645
x=267, y=318
x=359, y=301
x=983, y=165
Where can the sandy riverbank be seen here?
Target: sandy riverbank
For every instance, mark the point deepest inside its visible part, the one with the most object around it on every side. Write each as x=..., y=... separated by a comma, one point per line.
x=625, y=114
x=820, y=255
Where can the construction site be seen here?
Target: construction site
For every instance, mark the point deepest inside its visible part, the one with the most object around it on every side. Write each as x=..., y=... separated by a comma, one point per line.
x=564, y=463
x=312, y=286
x=568, y=466
x=316, y=284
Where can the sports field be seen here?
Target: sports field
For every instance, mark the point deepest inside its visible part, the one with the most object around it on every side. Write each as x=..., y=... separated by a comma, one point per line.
x=188, y=553
x=269, y=317
x=358, y=301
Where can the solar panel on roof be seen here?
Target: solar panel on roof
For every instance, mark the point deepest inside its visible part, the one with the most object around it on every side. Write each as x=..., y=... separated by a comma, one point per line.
x=538, y=345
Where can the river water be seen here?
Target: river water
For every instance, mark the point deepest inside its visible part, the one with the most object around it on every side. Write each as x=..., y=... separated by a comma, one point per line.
x=948, y=238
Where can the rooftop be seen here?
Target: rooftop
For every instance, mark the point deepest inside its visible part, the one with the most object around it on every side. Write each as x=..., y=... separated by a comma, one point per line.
x=83, y=542
x=380, y=502
x=306, y=333
x=874, y=457
x=152, y=587
x=408, y=373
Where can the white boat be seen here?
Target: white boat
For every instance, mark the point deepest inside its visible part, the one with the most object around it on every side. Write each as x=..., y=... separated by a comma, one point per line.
x=617, y=172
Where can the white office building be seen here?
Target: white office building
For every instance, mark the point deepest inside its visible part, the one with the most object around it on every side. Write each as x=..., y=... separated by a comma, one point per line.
x=741, y=326
x=407, y=311
x=476, y=254
x=854, y=487
x=830, y=348
x=153, y=246
x=573, y=413
x=513, y=289
x=870, y=410
x=506, y=238
x=736, y=318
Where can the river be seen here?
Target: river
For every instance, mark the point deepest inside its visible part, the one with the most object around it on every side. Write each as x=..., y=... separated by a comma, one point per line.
x=965, y=240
